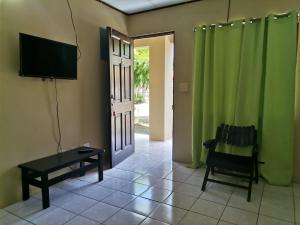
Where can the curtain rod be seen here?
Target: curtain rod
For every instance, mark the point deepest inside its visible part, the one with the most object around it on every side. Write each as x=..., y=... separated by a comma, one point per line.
x=224, y=24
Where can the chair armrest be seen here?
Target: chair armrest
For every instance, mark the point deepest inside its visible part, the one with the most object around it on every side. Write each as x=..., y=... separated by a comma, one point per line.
x=210, y=144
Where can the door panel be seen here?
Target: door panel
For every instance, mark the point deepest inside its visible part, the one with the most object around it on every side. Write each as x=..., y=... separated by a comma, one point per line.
x=121, y=92
x=127, y=49
x=118, y=134
x=116, y=46
x=128, y=129
x=127, y=83
x=117, y=83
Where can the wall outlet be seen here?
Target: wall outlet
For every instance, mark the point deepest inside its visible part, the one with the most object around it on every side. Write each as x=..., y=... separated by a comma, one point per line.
x=87, y=144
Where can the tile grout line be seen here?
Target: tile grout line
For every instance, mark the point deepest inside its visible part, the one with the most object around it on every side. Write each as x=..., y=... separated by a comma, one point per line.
x=98, y=201
x=80, y=214
x=242, y=209
x=149, y=186
x=261, y=198
x=188, y=210
x=70, y=191
x=280, y=219
x=199, y=198
x=21, y=218
x=172, y=191
x=120, y=208
x=123, y=208
x=294, y=204
x=225, y=206
x=136, y=196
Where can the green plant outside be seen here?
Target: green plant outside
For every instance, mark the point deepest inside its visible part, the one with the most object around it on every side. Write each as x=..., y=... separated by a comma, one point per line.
x=141, y=73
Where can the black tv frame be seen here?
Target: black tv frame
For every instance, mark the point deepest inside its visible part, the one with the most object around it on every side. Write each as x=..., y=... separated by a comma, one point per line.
x=42, y=75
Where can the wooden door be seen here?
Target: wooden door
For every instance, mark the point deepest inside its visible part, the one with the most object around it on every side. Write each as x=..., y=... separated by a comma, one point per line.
x=121, y=96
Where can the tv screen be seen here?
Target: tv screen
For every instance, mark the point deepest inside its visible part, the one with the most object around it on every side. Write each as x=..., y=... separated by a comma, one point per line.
x=40, y=57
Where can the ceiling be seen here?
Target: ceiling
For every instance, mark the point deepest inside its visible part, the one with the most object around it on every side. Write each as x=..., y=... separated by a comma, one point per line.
x=136, y=6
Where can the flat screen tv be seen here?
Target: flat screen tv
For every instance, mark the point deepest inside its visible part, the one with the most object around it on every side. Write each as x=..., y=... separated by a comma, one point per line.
x=44, y=58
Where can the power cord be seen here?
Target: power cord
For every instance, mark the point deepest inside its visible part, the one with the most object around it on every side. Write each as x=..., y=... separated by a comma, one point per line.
x=228, y=11
x=74, y=28
x=59, y=148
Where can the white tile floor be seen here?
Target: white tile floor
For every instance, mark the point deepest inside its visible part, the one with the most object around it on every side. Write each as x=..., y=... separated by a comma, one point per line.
x=149, y=189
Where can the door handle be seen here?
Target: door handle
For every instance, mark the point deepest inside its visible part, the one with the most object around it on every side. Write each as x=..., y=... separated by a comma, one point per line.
x=111, y=99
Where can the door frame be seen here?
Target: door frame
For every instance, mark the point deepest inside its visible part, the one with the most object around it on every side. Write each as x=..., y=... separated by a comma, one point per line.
x=159, y=34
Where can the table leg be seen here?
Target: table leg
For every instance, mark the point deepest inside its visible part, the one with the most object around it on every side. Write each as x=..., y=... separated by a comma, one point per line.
x=100, y=167
x=25, y=185
x=45, y=191
x=82, y=165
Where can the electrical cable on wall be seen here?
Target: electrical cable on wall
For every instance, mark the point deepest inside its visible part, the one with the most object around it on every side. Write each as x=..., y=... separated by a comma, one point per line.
x=228, y=11
x=59, y=148
x=74, y=28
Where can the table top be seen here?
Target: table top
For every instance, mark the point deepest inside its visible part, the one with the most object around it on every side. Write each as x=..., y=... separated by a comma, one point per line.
x=58, y=161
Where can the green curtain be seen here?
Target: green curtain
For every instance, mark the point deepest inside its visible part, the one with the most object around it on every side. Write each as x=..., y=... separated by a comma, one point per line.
x=279, y=98
x=230, y=72
x=226, y=86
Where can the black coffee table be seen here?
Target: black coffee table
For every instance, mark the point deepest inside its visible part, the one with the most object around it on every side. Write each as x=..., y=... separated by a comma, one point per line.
x=41, y=168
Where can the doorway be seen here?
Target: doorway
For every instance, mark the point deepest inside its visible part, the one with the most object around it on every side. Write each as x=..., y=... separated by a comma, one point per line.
x=153, y=92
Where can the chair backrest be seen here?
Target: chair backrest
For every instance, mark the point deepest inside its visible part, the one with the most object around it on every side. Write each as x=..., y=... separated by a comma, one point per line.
x=237, y=136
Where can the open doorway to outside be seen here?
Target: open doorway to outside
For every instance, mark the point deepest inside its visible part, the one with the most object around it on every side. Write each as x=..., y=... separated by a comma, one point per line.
x=153, y=93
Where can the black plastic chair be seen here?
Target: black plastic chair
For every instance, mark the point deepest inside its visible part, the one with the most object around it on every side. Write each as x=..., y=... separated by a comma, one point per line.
x=229, y=164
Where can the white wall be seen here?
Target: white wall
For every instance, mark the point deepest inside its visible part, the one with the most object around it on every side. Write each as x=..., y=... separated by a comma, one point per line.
x=168, y=86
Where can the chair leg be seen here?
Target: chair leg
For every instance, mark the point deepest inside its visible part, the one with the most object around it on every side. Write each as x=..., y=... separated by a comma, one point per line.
x=205, y=179
x=256, y=169
x=213, y=171
x=250, y=185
